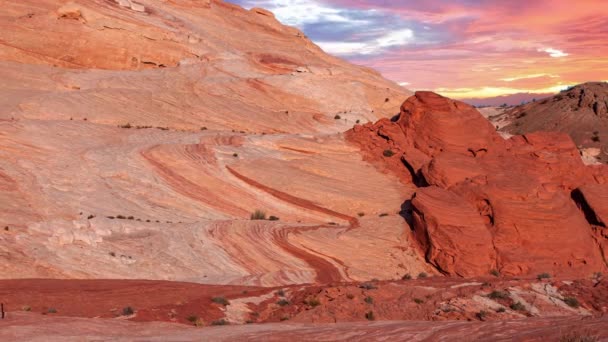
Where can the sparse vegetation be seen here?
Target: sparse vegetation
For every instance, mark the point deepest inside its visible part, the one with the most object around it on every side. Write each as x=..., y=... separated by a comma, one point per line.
x=498, y=295
x=388, y=153
x=220, y=322
x=283, y=302
x=418, y=301
x=572, y=302
x=422, y=275
x=258, y=215
x=481, y=315
x=127, y=311
x=220, y=300
x=368, y=286
x=369, y=300
x=543, y=276
x=370, y=316
x=517, y=307
x=314, y=302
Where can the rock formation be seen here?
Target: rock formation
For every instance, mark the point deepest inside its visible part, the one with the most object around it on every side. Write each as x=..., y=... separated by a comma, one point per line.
x=581, y=112
x=485, y=203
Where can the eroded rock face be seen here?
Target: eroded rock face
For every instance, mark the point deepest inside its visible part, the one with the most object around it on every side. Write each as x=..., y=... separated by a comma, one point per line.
x=490, y=203
x=581, y=112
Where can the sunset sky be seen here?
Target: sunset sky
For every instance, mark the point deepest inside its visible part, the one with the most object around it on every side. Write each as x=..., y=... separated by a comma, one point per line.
x=460, y=48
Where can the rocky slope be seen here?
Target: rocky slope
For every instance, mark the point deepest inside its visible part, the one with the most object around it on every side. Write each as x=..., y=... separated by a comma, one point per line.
x=581, y=112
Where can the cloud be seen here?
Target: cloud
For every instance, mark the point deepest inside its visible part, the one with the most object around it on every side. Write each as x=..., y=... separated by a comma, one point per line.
x=485, y=46
x=554, y=52
x=524, y=77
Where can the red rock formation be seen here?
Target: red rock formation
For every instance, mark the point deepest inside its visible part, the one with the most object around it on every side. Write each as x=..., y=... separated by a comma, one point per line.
x=491, y=203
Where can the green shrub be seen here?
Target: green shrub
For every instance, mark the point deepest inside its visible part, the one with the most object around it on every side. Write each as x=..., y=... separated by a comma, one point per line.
x=543, y=276
x=498, y=295
x=388, y=153
x=220, y=300
x=517, y=306
x=314, y=302
x=258, y=215
x=572, y=302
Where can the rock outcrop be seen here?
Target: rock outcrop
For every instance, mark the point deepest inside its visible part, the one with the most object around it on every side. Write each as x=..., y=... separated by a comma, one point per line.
x=581, y=112
x=486, y=203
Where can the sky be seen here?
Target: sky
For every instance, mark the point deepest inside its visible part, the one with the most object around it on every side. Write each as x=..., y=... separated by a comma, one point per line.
x=460, y=48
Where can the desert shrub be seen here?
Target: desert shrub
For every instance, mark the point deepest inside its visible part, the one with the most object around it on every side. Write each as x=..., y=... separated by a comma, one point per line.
x=51, y=310
x=203, y=128
x=26, y=308
x=498, y=295
x=121, y=217
x=368, y=286
x=235, y=155
x=595, y=138
x=383, y=215
x=90, y=217
x=192, y=318
x=418, y=301
x=220, y=300
x=127, y=311
x=314, y=302
x=113, y=254
x=273, y=218
x=572, y=302
x=130, y=218
x=283, y=302
x=543, y=276
x=369, y=300
x=358, y=121
x=350, y=296
x=128, y=125
x=388, y=153
x=284, y=318
x=281, y=293
x=337, y=117
x=370, y=316
x=258, y=215
x=481, y=315
x=220, y=322
x=406, y=277
x=495, y=273
x=501, y=310
x=361, y=214
x=386, y=99
x=422, y=275
x=517, y=306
